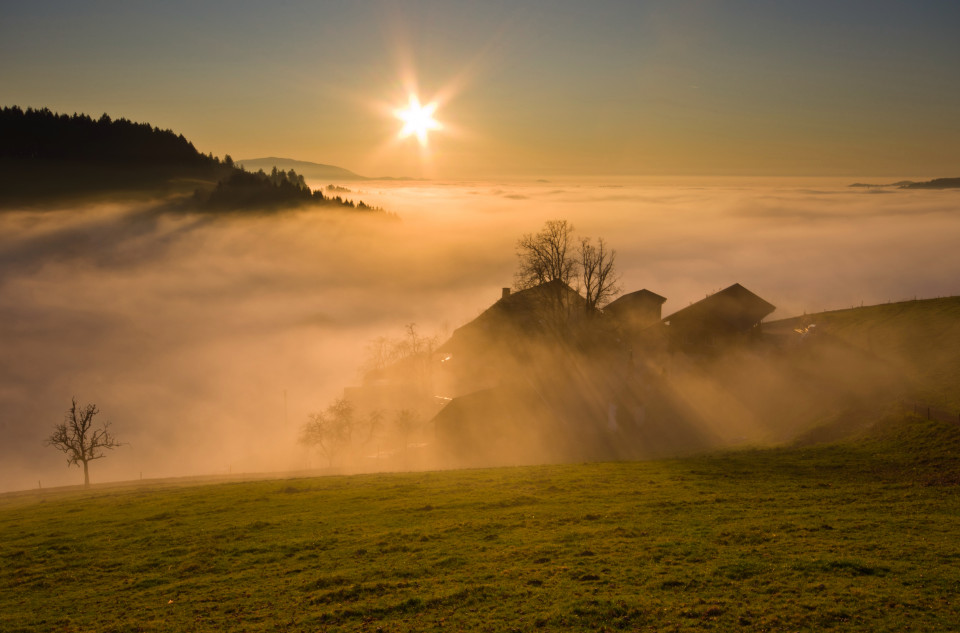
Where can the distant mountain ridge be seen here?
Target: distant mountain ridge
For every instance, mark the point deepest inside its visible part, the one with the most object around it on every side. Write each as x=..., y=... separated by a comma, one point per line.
x=936, y=183
x=899, y=183
x=317, y=171
x=304, y=167
x=47, y=156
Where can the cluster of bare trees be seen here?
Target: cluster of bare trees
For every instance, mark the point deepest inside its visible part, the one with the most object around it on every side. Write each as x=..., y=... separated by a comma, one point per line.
x=331, y=430
x=383, y=351
x=339, y=433
x=555, y=254
x=344, y=433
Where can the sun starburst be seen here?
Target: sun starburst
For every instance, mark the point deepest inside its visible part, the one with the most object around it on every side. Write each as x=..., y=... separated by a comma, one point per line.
x=417, y=119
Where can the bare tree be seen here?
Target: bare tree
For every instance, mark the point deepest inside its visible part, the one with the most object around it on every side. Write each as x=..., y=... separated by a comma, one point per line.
x=378, y=354
x=331, y=430
x=318, y=432
x=80, y=440
x=374, y=424
x=417, y=344
x=597, y=274
x=412, y=345
x=341, y=414
x=545, y=256
x=383, y=351
x=408, y=356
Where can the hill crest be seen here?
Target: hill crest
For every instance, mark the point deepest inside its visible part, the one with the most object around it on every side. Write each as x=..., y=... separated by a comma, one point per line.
x=307, y=168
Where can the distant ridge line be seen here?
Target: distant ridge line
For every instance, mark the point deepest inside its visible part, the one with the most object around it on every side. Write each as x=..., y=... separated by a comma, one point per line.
x=308, y=169
x=867, y=307
x=936, y=183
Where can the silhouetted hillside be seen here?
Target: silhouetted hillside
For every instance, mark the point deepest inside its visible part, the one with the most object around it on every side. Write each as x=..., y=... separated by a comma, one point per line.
x=899, y=183
x=315, y=171
x=918, y=337
x=244, y=190
x=936, y=183
x=41, y=135
x=46, y=157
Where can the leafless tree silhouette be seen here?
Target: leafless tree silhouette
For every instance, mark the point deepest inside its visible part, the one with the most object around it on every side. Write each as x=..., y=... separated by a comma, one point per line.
x=546, y=256
x=597, y=273
x=330, y=431
x=80, y=440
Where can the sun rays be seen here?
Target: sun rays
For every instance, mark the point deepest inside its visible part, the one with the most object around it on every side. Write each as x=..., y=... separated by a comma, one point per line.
x=417, y=120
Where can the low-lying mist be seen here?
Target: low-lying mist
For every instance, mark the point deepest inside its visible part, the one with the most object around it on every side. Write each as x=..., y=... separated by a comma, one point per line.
x=207, y=340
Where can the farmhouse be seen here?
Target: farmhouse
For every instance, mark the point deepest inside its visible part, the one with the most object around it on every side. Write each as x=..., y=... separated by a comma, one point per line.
x=498, y=347
x=723, y=317
x=636, y=310
x=539, y=376
x=567, y=407
x=507, y=337
x=533, y=312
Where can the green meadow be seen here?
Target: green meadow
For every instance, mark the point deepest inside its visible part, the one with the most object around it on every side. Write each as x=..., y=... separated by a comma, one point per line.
x=861, y=535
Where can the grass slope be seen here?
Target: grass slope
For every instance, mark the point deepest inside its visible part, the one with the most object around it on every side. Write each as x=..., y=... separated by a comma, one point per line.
x=861, y=536
x=921, y=338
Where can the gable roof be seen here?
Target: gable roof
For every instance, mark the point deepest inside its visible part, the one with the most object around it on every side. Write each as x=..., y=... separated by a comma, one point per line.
x=522, y=312
x=733, y=308
x=633, y=300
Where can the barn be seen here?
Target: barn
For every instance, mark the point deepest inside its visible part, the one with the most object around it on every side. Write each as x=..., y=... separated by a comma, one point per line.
x=636, y=310
x=725, y=316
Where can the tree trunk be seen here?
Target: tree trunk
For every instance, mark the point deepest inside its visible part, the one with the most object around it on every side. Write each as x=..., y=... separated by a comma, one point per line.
x=86, y=476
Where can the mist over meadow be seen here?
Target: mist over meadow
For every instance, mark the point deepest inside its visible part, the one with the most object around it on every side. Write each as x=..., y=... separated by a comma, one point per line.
x=207, y=340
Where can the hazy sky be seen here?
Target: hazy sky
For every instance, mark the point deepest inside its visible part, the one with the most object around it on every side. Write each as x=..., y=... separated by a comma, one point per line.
x=525, y=88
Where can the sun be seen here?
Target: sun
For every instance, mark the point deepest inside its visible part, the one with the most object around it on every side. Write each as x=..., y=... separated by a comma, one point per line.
x=417, y=119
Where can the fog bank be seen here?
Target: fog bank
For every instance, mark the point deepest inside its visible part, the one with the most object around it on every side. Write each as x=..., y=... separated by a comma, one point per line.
x=206, y=341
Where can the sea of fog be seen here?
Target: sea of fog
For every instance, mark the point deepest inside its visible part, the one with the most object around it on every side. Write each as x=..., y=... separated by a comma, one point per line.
x=206, y=341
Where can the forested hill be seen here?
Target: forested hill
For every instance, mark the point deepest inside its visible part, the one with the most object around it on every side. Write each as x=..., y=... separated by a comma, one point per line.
x=47, y=158
x=42, y=135
x=51, y=158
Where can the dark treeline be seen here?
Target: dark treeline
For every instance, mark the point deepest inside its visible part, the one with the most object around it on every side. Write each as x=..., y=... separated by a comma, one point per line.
x=259, y=190
x=45, y=155
x=46, y=136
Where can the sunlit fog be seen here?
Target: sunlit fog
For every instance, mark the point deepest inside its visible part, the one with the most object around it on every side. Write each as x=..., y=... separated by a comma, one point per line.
x=207, y=341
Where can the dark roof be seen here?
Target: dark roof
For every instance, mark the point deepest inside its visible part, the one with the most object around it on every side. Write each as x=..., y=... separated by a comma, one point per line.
x=521, y=312
x=734, y=307
x=634, y=299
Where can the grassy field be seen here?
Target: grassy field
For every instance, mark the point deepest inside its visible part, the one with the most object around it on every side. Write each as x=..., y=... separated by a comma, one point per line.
x=863, y=535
